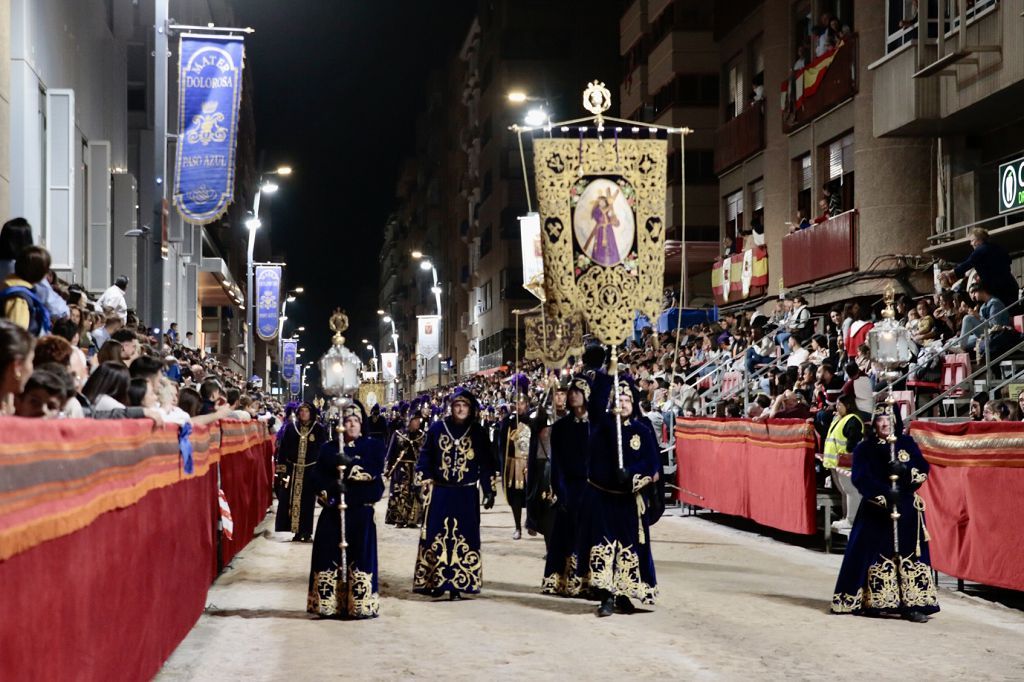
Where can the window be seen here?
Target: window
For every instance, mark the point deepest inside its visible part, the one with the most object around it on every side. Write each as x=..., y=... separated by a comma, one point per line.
x=487, y=76
x=688, y=90
x=734, y=214
x=485, y=297
x=486, y=240
x=510, y=222
x=804, y=176
x=511, y=280
x=488, y=185
x=700, y=167
x=839, y=158
x=736, y=92
x=486, y=130
x=757, y=203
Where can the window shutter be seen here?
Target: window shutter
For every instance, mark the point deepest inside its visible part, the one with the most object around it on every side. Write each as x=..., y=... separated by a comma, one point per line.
x=805, y=172
x=100, y=246
x=60, y=177
x=835, y=160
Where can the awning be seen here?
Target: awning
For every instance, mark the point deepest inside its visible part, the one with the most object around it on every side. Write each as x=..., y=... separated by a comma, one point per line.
x=492, y=370
x=216, y=285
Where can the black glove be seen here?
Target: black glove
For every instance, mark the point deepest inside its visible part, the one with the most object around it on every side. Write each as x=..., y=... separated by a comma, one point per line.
x=488, y=500
x=898, y=468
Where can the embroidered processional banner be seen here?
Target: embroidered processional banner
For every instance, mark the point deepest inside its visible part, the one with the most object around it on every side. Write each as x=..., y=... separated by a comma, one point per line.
x=602, y=209
x=552, y=340
x=209, y=93
x=268, y=300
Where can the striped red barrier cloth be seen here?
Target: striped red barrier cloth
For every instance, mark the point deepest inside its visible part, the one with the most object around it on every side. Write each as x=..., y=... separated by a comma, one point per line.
x=973, y=498
x=105, y=540
x=762, y=471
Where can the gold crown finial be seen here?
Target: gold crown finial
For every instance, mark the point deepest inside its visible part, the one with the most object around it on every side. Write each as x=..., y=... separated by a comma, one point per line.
x=338, y=324
x=597, y=99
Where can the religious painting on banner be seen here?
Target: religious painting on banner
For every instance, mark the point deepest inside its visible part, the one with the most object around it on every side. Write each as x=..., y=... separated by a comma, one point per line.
x=288, y=350
x=371, y=393
x=533, y=255
x=552, y=340
x=602, y=209
x=268, y=300
x=389, y=366
x=209, y=92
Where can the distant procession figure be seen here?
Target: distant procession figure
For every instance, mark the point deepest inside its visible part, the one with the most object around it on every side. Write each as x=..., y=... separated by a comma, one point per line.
x=300, y=447
x=514, y=452
x=454, y=465
x=357, y=596
x=405, y=507
x=873, y=580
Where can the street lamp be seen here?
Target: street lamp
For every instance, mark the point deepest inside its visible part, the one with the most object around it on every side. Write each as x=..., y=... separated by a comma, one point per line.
x=253, y=223
x=535, y=118
x=289, y=298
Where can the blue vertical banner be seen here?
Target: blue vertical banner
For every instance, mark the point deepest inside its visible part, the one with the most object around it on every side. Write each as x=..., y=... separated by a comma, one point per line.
x=268, y=300
x=288, y=349
x=209, y=92
x=296, y=387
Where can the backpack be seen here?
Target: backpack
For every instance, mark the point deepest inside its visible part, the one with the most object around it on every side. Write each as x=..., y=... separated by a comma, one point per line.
x=39, y=316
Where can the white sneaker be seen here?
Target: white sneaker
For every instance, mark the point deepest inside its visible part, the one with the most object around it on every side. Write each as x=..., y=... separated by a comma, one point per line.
x=842, y=526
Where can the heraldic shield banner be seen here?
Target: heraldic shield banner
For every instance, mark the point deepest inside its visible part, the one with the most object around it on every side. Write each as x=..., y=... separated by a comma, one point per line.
x=602, y=209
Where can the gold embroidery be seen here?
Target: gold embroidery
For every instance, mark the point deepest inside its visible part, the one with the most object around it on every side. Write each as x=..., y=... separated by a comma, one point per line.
x=565, y=583
x=454, y=456
x=323, y=597
x=634, y=442
x=616, y=568
x=359, y=474
x=916, y=476
x=363, y=602
x=298, y=477
x=889, y=590
x=448, y=559
x=903, y=456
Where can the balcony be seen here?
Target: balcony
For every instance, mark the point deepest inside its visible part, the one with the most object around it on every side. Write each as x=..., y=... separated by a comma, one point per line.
x=825, y=83
x=740, y=138
x=832, y=243
x=632, y=89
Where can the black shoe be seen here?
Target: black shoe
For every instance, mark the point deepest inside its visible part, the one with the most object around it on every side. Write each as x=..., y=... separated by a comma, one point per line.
x=454, y=595
x=624, y=605
x=606, y=608
x=915, y=617
x=296, y=538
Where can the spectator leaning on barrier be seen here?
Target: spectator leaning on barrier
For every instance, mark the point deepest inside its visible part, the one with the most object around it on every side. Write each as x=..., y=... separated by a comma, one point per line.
x=16, y=354
x=992, y=263
x=19, y=302
x=42, y=397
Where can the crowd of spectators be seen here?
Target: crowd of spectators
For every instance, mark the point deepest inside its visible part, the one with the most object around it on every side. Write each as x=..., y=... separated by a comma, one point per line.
x=64, y=354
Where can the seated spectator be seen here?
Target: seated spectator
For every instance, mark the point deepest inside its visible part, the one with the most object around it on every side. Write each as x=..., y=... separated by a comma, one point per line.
x=1000, y=411
x=112, y=323
x=129, y=341
x=797, y=353
x=167, y=398
x=789, y=405
x=111, y=352
x=819, y=349
x=107, y=387
x=140, y=393
x=19, y=301
x=978, y=402
x=823, y=212
x=925, y=330
x=760, y=404
x=42, y=397
x=16, y=353
x=859, y=386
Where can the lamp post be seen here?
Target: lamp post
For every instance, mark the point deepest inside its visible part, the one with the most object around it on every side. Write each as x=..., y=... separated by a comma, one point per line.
x=427, y=266
x=253, y=223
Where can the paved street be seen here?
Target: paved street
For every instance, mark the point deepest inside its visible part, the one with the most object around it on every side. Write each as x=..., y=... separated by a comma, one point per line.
x=733, y=605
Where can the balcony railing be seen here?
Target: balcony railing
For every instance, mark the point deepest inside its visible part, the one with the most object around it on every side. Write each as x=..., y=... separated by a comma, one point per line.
x=833, y=245
x=740, y=138
x=826, y=82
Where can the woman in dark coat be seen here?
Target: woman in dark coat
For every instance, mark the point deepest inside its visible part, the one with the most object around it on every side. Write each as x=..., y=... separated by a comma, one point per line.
x=873, y=581
x=363, y=485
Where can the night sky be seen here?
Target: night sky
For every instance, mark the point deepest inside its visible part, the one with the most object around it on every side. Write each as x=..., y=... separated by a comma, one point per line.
x=338, y=85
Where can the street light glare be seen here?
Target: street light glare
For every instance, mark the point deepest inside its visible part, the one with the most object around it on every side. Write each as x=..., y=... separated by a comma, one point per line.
x=269, y=187
x=290, y=299
x=536, y=118
x=425, y=265
x=380, y=312
x=366, y=341
x=417, y=255
x=253, y=223
x=298, y=290
x=517, y=97
x=435, y=290
x=302, y=329
x=284, y=170
x=387, y=319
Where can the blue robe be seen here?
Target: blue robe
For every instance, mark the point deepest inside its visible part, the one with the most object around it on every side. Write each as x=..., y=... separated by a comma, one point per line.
x=870, y=582
x=457, y=459
x=297, y=498
x=364, y=486
x=613, y=544
x=570, y=439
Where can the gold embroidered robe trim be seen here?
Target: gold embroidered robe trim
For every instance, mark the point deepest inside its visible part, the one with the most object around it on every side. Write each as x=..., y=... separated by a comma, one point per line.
x=615, y=568
x=885, y=587
x=448, y=559
x=564, y=583
x=299, y=477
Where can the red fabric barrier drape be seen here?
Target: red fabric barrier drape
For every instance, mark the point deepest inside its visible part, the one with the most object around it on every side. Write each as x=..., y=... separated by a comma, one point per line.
x=113, y=600
x=973, y=497
x=245, y=478
x=109, y=596
x=761, y=471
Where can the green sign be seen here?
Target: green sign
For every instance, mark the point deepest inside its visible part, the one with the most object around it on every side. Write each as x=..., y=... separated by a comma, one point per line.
x=1011, y=186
